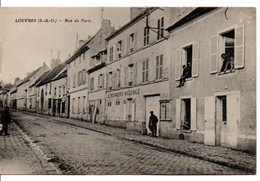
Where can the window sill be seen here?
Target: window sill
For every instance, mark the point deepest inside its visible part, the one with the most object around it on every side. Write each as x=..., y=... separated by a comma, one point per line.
x=227, y=72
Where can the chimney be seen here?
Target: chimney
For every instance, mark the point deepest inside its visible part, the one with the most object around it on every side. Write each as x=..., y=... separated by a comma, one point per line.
x=54, y=63
x=106, y=22
x=134, y=11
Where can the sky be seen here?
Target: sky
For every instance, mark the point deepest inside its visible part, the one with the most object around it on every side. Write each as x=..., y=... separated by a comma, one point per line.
x=27, y=45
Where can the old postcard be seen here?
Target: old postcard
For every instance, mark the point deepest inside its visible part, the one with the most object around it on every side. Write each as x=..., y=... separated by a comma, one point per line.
x=128, y=91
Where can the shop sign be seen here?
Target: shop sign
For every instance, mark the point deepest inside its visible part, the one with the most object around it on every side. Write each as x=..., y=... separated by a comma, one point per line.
x=123, y=93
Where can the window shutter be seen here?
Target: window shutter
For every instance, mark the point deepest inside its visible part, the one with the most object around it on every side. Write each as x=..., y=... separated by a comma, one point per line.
x=126, y=74
x=183, y=58
x=115, y=79
x=239, y=47
x=193, y=114
x=128, y=45
x=213, y=54
x=209, y=118
x=195, y=60
x=178, y=65
x=102, y=80
x=178, y=114
x=135, y=41
x=123, y=47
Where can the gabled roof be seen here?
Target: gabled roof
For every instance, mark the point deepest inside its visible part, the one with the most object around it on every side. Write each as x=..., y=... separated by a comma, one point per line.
x=26, y=79
x=48, y=77
x=62, y=75
x=40, y=78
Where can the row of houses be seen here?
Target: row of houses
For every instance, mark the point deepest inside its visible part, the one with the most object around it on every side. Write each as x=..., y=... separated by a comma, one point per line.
x=118, y=76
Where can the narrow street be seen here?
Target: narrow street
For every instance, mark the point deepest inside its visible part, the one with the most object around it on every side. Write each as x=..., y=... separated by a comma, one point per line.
x=76, y=150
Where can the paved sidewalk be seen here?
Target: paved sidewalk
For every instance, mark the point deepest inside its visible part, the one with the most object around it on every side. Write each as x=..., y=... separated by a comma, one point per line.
x=216, y=154
x=18, y=155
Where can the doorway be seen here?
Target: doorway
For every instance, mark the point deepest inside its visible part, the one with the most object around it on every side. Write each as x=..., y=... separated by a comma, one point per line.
x=152, y=104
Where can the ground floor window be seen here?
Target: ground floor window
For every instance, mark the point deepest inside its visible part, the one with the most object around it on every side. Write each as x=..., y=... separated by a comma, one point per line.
x=49, y=103
x=164, y=110
x=63, y=107
x=186, y=114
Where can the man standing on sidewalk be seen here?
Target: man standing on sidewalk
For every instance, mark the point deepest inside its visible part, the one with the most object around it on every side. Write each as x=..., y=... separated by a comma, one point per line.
x=153, y=124
x=5, y=120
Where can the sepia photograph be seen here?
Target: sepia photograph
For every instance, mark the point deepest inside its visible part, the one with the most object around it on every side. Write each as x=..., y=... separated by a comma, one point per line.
x=128, y=91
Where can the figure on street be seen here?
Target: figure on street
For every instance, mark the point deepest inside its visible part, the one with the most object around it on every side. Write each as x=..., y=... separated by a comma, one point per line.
x=5, y=120
x=153, y=124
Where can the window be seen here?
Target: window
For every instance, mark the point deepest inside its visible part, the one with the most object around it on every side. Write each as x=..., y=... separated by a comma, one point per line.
x=118, y=78
x=59, y=91
x=227, y=51
x=49, y=103
x=160, y=26
x=132, y=42
x=145, y=70
x=63, y=107
x=83, y=76
x=73, y=105
x=100, y=81
x=164, y=110
x=55, y=91
x=186, y=114
x=109, y=104
x=188, y=59
x=74, y=81
x=46, y=89
x=79, y=78
x=84, y=109
x=50, y=89
x=146, y=36
x=228, y=44
x=117, y=103
x=159, y=66
x=119, y=49
x=92, y=83
x=131, y=74
x=223, y=107
x=78, y=105
x=110, y=79
x=64, y=92
x=111, y=54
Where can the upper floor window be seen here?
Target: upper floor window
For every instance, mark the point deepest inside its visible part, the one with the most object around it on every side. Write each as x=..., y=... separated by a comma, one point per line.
x=46, y=89
x=130, y=74
x=159, y=66
x=59, y=91
x=50, y=89
x=110, y=79
x=145, y=70
x=64, y=92
x=83, y=76
x=118, y=78
x=92, y=83
x=100, y=81
x=119, y=49
x=146, y=36
x=111, y=54
x=55, y=90
x=79, y=78
x=227, y=51
x=74, y=81
x=160, y=26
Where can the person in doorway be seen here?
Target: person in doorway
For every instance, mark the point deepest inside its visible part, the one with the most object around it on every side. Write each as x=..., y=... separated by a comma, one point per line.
x=153, y=124
x=5, y=120
x=185, y=74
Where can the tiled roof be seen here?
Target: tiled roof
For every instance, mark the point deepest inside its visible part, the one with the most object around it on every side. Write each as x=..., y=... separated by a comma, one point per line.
x=26, y=79
x=40, y=78
x=48, y=78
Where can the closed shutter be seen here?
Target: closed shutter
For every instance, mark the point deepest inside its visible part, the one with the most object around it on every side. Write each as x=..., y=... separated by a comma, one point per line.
x=135, y=41
x=195, y=60
x=193, y=114
x=126, y=78
x=178, y=65
x=209, y=116
x=178, y=114
x=213, y=54
x=128, y=45
x=239, y=47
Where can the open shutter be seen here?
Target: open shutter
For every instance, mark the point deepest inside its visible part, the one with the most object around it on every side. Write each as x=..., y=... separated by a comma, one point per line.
x=213, y=54
x=195, y=60
x=126, y=76
x=193, y=114
x=135, y=41
x=209, y=116
x=239, y=47
x=232, y=120
x=178, y=114
x=178, y=65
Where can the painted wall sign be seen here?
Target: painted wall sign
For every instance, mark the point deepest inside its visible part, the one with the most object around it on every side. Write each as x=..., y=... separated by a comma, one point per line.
x=123, y=93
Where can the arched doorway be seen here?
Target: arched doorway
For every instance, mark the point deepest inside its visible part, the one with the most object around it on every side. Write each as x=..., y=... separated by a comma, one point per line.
x=42, y=100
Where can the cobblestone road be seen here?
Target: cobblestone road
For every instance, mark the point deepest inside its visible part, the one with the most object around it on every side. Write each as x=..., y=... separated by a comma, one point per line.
x=80, y=151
